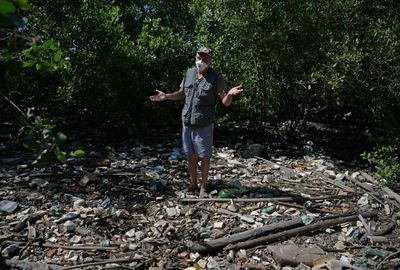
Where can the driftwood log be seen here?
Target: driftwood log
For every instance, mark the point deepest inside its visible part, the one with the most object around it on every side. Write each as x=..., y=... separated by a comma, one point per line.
x=214, y=245
x=217, y=244
x=275, y=199
x=20, y=264
x=280, y=236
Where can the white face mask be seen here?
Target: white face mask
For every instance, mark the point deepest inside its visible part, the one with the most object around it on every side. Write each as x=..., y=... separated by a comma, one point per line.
x=200, y=65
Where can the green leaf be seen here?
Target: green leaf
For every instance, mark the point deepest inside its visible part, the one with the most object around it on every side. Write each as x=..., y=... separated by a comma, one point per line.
x=31, y=133
x=6, y=7
x=49, y=44
x=27, y=64
x=38, y=121
x=24, y=4
x=57, y=56
x=42, y=156
x=78, y=153
x=60, y=138
x=46, y=133
x=50, y=126
x=33, y=145
x=60, y=155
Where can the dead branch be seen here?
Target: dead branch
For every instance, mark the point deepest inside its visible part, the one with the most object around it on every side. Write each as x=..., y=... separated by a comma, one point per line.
x=20, y=264
x=391, y=194
x=296, y=231
x=250, y=200
x=248, y=219
x=122, y=260
x=335, y=183
x=219, y=243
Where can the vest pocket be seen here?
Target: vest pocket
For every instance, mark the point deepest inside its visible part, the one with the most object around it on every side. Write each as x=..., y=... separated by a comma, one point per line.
x=206, y=94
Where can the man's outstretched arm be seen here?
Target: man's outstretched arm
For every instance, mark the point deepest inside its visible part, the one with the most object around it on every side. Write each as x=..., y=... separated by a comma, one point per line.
x=161, y=96
x=227, y=98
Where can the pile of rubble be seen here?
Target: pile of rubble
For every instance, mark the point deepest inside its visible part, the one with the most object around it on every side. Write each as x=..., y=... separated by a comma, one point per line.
x=130, y=209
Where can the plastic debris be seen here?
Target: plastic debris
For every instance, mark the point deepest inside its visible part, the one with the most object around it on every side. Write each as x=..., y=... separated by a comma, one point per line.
x=375, y=252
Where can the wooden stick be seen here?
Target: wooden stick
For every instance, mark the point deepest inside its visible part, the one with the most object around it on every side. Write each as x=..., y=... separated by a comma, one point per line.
x=78, y=247
x=365, y=224
x=65, y=247
x=308, y=209
x=123, y=260
x=361, y=185
x=21, y=264
x=78, y=175
x=385, y=229
x=250, y=200
x=369, y=178
x=194, y=200
x=335, y=183
x=248, y=219
x=392, y=202
x=392, y=194
x=219, y=243
x=292, y=205
x=280, y=236
x=131, y=189
x=251, y=266
x=388, y=257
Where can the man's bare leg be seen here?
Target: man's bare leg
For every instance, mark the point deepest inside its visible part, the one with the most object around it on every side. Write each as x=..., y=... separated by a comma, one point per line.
x=205, y=167
x=193, y=160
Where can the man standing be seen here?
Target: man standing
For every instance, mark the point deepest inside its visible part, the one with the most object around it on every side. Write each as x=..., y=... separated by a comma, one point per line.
x=200, y=88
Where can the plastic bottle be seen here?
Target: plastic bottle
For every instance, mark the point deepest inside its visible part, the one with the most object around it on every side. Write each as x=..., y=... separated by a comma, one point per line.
x=228, y=193
x=375, y=252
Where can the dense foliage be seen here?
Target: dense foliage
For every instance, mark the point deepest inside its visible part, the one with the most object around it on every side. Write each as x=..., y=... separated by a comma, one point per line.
x=326, y=61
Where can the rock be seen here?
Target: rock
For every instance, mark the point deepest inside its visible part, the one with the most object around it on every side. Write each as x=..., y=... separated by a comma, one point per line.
x=132, y=247
x=10, y=251
x=139, y=235
x=130, y=233
x=202, y=263
x=122, y=213
x=230, y=257
x=241, y=254
x=38, y=182
x=293, y=255
x=75, y=239
x=78, y=204
x=69, y=226
x=255, y=150
x=212, y=263
x=171, y=212
x=218, y=225
x=124, y=247
x=86, y=179
x=232, y=207
x=8, y=206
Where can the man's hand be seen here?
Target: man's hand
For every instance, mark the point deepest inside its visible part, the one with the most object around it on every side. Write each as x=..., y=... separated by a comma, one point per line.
x=235, y=90
x=161, y=96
